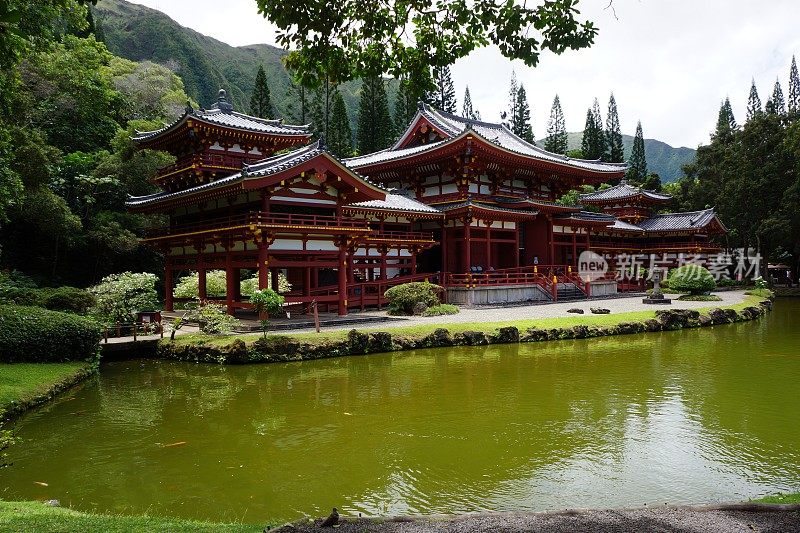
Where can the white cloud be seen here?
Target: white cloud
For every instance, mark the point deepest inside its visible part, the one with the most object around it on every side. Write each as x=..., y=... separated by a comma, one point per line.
x=668, y=62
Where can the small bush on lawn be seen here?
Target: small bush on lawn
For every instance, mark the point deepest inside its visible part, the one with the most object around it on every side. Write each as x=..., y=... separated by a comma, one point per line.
x=443, y=309
x=266, y=302
x=119, y=296
x=761, y=293
x=403, y=298
x=693, y=279
x=700, y=298
x=35, y=335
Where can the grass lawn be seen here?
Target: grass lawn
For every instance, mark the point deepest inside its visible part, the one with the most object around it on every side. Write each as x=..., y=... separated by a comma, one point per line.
x=453, y=327
x=35, y=516
x=780, y=498
x=24, y=382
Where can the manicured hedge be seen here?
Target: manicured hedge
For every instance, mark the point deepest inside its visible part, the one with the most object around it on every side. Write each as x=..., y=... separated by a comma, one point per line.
x=694, y=279
x=403, y=298
x=35, y=335
x=69, y=299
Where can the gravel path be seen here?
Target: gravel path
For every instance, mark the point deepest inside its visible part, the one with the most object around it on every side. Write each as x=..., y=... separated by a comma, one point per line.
x=533, y=311
x=718, y=519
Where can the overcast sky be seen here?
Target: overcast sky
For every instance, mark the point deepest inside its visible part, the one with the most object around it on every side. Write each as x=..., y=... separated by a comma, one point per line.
x=669, y=62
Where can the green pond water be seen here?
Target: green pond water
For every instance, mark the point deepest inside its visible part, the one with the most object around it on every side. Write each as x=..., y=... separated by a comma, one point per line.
x=692, y=416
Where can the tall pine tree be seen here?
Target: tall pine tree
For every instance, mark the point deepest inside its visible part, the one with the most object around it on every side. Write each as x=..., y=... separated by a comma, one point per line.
x=637, y=165
x=444, y=96
x=794, y=89
x=260, y=103
x=405, y=107
x=753, y=102
x=556, y=141
x=587, y=139
x=613, y=135
x=776, y=104
x=593, y=144
x=507, y=117
x=468, y=112
x=340, y=136
x=374, y=122
x=299, y=105
x=521, y=124
x=726, y=123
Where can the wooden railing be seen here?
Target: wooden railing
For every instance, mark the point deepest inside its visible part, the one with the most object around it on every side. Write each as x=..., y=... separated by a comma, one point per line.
x=211, y=161
x=401, y=235
x=318, y=222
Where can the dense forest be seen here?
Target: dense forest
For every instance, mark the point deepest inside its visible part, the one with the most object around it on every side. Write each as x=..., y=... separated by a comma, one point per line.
x=67, y=109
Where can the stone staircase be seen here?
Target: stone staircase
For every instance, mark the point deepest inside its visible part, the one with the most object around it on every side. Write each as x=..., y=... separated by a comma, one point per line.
x=568, y=292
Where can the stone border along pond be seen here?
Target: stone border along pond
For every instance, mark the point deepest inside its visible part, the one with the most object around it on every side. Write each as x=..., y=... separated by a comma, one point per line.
x=273, y=349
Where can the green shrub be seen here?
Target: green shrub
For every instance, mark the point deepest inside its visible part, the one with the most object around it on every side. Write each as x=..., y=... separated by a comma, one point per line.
x=761, y=293
x=268, y=302
x=212, y=319
x=119, y=296
x=402, y=298
x=35, y=335
x=442, y=309
x=187, y=286
x=693, y=279
x=69, y=299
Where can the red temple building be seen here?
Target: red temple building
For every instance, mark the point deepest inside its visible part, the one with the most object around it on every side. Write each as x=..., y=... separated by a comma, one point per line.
x=460, y=202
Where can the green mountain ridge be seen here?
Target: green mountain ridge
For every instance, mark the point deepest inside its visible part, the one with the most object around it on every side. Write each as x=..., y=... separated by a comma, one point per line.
x=663, y=159
x=206, y=64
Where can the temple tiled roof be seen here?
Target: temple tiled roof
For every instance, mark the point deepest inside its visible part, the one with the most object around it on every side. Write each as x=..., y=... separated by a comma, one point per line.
x=265, y=167
x=223, y=114
x=621, y=225
x=587, y=216
x=390, y=155
x=396, y=201
x=454, y=126
x=452, y=206
x=680, y=221
x=623, y=191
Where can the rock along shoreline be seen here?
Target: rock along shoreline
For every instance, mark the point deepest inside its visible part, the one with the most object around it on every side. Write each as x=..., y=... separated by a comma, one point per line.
x=274, y=349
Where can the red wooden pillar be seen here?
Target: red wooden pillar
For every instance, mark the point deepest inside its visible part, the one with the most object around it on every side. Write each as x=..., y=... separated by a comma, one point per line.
x=263, y=266
x=383, y=263
x=342, y=279
x=551, y=237
x=468, y=244
x=574, y=247
x=306, y=286
x=168, y=286
x=230, y=281
x=516, y=244
x=443, y=244
x=488, y=244
x=413, y=261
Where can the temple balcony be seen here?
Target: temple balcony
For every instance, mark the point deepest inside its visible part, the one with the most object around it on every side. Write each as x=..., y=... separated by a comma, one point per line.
x=246, y=224
x=205, y=163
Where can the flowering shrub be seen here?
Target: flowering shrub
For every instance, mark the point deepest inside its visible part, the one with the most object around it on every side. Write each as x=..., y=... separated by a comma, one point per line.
x=120, y=296
x=187, y=286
